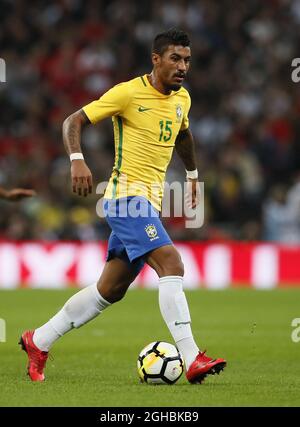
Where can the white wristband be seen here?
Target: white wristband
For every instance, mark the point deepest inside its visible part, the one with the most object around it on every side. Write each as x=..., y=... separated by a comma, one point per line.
x=76, y=156
x=192, y=174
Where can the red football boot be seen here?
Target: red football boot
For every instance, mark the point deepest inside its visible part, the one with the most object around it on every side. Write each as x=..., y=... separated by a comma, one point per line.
x=202, y=366
x=36, y=358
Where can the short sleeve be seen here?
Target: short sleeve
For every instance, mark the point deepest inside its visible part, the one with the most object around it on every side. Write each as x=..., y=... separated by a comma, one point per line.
x=185, y=120
x=111, y=103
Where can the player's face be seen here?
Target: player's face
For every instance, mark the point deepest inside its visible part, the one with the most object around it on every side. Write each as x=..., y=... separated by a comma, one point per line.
x=173, y=65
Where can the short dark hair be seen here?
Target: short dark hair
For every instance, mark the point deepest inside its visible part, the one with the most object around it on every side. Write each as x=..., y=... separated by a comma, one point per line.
x=169, y=37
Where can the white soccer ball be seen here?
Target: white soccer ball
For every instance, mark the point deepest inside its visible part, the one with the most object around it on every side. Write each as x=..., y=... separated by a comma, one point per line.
x=160, y=363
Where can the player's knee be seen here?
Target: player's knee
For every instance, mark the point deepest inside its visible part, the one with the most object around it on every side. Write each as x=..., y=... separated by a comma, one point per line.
x=175, y=269
x=116, y=296
x=171, y=265
x=112, y=294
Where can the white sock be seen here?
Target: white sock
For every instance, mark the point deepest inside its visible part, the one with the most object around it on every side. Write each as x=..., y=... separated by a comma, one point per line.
x=175, y=312
x=82, y=307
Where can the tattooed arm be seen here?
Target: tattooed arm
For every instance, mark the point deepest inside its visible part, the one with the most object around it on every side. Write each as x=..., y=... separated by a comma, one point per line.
x=82, y=181
x=72, y=131
x=185, y=148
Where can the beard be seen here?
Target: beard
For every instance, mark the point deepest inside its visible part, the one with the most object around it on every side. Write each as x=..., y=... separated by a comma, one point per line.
x=174, y=87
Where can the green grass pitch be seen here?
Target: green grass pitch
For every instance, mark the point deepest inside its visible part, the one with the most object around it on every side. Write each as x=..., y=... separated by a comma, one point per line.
x=96, y=364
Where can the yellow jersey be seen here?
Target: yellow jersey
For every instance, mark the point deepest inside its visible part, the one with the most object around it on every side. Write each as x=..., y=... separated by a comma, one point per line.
x=146, y=124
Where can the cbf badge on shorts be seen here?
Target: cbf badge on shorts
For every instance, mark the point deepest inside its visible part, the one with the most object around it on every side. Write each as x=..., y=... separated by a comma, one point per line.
x=151, y=232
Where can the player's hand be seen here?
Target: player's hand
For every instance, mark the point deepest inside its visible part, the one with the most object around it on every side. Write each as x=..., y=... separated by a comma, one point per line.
x=19, y=193
x=82, y=180
x=192, y=196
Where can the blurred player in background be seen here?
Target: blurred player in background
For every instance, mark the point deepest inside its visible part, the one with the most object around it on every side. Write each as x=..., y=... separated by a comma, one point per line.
x=150, y=118
x=16, y=194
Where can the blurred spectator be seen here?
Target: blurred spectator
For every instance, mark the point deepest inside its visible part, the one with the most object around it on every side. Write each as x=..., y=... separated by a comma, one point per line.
x=281, y=215
x=245, y=112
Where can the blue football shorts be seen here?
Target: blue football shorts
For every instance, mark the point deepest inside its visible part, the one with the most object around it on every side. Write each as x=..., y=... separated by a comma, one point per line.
x=136, y=229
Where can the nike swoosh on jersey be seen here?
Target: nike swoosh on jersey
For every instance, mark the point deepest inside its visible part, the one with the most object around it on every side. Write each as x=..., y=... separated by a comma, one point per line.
x=141, y=109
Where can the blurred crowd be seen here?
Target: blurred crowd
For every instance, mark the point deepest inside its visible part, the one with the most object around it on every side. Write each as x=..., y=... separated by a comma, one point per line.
x=245, y=112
